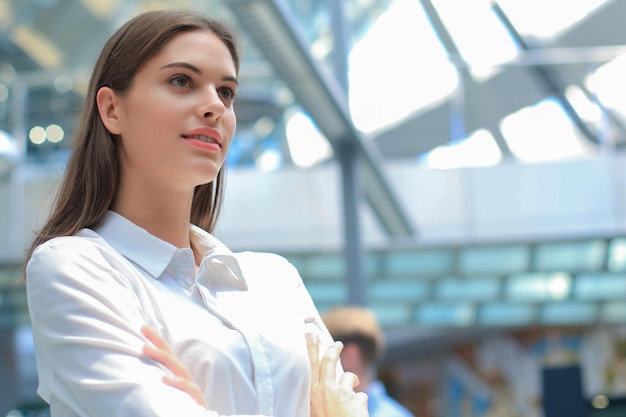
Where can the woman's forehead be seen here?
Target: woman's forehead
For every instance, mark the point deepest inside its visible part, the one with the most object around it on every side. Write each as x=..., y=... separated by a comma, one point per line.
x=199, y=47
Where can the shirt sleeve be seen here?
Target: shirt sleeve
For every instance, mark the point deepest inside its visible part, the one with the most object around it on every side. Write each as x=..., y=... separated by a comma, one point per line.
x=86, y=317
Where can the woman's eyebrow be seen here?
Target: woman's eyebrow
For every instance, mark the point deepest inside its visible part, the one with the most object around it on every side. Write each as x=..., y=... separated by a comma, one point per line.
x=231, y=79
x=196, y=70
x=190, y=67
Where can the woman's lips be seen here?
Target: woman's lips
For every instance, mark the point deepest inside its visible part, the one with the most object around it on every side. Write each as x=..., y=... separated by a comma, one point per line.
x=204, y=134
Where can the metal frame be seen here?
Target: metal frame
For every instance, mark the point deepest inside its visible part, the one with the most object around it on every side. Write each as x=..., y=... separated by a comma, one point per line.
x=273, y=27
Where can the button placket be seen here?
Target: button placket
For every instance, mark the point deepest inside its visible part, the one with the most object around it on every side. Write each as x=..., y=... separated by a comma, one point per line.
x=216, y=274
x=262, y=374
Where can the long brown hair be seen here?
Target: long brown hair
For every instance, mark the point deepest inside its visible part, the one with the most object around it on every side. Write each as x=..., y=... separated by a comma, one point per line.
x=92, y=174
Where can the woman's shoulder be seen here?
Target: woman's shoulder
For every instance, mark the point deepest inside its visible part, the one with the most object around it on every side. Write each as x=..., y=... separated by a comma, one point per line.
x=85, y=249
x=84, y=241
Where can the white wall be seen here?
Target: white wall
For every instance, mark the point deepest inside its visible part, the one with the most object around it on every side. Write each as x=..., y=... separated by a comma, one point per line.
x=296, y=209
x=506, y=202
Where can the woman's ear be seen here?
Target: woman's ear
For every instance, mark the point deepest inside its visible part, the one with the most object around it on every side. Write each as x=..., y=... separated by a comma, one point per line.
x=108, y=102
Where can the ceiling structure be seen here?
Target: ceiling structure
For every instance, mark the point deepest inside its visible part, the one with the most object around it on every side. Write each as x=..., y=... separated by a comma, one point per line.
x=541, y=71
x=47, y=48
x=298, y=58
x=44, y=42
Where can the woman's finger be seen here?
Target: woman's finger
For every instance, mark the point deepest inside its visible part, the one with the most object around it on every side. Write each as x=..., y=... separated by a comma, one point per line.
x=328, y=366
x=313, y=349
x=163, y=354
x=187, y=386
x=349, y=380
x=362, y=397
x=154, y=338
x=181, y=376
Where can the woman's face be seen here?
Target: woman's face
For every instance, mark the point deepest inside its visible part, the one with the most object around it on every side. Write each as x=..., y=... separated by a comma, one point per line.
x=177, y=121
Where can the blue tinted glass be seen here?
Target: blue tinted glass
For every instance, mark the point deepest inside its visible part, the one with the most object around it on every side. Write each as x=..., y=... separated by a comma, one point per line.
x=568, y=313
x=571, y=256
x=429, y=262
x=600, y=286
x=398, y=290
x=614, y=312
x=538, y=286
x=468, y=288
x=503, y=259
x=325, y=266
x=503, y=314
x=617, y=255
x=445, y=314
x=391, y=315
x=328, y=292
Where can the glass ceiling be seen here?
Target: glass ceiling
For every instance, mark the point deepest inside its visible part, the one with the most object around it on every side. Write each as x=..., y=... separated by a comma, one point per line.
x=434, y=76
x=401, y=63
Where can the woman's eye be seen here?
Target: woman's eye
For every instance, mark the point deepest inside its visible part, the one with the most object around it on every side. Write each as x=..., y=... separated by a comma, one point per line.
x=180, y=81
x=227, y=93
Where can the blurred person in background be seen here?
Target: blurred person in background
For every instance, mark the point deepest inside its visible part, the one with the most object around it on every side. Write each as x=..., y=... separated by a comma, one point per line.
x=363, y=346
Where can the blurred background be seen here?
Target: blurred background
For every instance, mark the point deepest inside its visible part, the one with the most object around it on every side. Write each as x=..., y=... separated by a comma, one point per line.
x=457, y=166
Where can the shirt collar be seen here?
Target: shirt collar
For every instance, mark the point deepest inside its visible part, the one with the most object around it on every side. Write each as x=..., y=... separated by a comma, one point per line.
x=216, y=257
x=154, y=254
x=135, y=243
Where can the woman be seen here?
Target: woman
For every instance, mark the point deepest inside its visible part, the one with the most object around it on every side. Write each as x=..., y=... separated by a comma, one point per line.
x=128, y=245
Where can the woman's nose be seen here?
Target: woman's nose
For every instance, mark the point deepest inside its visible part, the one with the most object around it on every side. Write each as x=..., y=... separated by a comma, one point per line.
x=211, y=105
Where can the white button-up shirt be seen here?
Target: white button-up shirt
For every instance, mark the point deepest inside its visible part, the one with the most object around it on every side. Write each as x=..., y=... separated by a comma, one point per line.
x=239, y=325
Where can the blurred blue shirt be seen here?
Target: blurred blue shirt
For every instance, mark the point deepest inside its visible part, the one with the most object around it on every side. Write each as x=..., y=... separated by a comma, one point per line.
x=382, y=405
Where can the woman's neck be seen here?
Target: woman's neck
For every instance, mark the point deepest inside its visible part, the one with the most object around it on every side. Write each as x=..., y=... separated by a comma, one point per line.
x=163, y=213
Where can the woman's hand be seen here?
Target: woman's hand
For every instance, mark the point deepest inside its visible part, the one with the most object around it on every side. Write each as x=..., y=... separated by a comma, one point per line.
x=329, y=397
x=181, y=377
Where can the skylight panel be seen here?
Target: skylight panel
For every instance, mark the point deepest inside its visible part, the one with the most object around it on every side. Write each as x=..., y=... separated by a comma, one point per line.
x=607, y=82
x=307, y=145
x=546, y=19
x=481, y=39
x=478, y=150
x=543, y=132
x=586, y=108
x=397, y=68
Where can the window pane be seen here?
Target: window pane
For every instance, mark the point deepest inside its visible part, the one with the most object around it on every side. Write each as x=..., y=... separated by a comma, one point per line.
x=614, y=312
x=539, y=286
x=398, y=290
x=327, y=293
x=600, y=286
x=445, y=314
x=481, y=49
x=568, y=313
x=494, y=259
x=571, y=256
x=430, y=262
x=391, y=315
x=544, y=132
x=617, y=255
x=506, y=314
x=468, y=288
x=325, y=266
